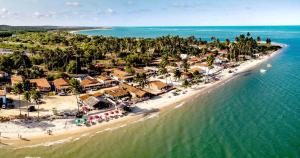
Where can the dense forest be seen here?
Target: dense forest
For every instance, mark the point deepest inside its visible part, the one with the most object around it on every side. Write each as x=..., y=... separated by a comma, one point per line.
x=36, y=52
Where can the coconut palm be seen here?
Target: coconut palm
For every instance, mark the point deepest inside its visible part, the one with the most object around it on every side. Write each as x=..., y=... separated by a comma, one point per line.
x=27, y=98
x=177, y=74
x=18, y=89
x=76, y=88
x=141, y=79
x=210, y=60
x=185, y=65
x=36, y=96
x=196, y=76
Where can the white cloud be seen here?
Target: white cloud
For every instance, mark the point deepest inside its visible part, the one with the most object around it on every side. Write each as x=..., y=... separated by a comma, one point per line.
x=73, y=4
x=110, y=11
x=50, y=14
x=6, y=13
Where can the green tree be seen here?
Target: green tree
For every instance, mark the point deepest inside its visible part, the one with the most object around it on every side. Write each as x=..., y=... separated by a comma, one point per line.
x=185, y=83
x=71, y=67
x=177, y=74
x=76, y=89
x=18, y=89
x=27, y=98
x=36, y=96
x=141, y=79
x=196, y=76
x=185, y=65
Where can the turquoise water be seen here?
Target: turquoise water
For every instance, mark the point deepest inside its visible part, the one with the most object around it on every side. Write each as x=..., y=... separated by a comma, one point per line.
x=255, y=115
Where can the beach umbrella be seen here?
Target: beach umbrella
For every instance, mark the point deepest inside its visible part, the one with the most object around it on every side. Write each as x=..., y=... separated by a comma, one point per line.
x=112, y=112
x=84, y=120
x=117, y=111
x=77, y=121
x=91, y=118
x=97, y=116
x=106, y=114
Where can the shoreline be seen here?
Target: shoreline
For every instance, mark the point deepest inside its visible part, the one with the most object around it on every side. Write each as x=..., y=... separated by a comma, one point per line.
x=101, y=28
x=156, y=105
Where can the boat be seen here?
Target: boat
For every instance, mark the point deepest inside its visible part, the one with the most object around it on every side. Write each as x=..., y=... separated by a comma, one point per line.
x=269, y=65
x=262, y=70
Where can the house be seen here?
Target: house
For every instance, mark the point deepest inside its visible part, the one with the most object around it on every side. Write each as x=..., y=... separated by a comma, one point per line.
x=97, y=102
x=15, y=79
x=157, y=87
x=61, y=85
x=194, y=60
x=41, y=84
x=201, y=71
x=107, y=81
x=202, y=66
x=90, y=83
x=135, y=92
x=121, y=75
x=117, y=93
x=187, y=75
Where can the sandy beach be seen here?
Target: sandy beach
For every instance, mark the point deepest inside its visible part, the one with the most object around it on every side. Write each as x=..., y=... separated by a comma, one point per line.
x=64, y=130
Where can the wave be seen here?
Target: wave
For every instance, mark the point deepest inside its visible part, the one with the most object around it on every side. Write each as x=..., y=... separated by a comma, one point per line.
x=179, y=105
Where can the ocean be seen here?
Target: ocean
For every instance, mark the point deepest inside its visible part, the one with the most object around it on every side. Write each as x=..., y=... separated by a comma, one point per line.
x=252, y=116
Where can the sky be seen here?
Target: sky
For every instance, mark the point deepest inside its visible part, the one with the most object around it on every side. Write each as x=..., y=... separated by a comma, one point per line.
x=150, y=12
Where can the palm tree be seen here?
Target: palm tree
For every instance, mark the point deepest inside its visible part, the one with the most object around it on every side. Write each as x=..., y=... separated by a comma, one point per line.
x=185, y=83
x=27, y=98
x=141, y=79
x=76, y=88
x=210, y=61
x=35, y=96
x=163, y=71
x=185, y=65
x=18, y=89
x=177, y=74
x=196, y=76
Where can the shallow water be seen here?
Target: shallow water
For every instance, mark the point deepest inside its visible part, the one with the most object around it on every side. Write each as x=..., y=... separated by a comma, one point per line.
x=254, y=115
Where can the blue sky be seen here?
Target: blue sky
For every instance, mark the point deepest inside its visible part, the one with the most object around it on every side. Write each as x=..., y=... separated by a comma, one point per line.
x=149, y=12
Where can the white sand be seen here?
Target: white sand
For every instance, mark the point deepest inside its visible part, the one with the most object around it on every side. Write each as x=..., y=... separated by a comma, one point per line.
x=66, y=127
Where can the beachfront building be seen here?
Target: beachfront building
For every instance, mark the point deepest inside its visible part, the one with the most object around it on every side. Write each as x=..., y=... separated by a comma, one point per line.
x=95, y=101
x=15, y=79
x=107, y=81
x=61, y=85
x=121, y=75
x=136, y=92
x=41, y=84
x=201, y=71
x=117, y=93
x=90, y=83
x=157, y=87
x=202, y=66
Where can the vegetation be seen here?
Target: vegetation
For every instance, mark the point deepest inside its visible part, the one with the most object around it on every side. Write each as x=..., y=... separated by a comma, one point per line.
x=64, y=52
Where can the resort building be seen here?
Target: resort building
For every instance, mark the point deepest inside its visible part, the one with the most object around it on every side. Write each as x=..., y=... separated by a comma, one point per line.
x=202, y=66
x=157, y=87
x=135, y=92
x=90, y=83
x=117, y=93
x=15, y=79
x=41, y=84
x=201, y=71
x=121, y=75
x=107, y=81
x=61, y=85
